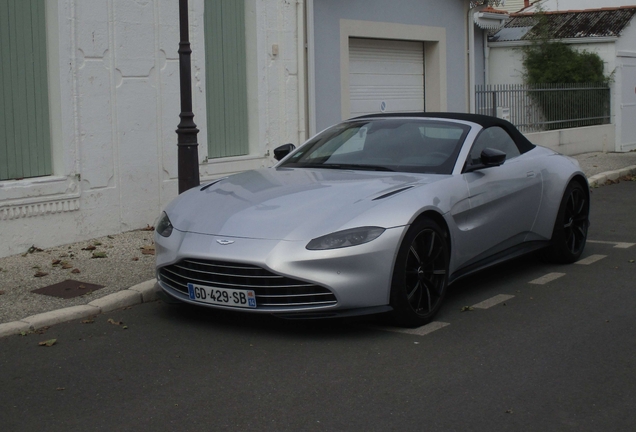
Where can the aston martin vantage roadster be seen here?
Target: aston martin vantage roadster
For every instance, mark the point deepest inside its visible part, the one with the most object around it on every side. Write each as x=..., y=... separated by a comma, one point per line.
x=377, y=214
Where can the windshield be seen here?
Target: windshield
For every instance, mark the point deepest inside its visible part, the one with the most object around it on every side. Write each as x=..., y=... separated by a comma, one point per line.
x=406, y=145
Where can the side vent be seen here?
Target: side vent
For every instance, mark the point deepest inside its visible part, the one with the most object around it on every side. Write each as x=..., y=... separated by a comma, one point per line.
x=388, y=194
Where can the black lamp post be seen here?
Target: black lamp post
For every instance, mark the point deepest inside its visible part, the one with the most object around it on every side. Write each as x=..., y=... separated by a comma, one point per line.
x=187, y=155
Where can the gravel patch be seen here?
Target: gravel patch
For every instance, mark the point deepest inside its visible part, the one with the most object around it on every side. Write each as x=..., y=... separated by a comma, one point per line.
x=123, y=266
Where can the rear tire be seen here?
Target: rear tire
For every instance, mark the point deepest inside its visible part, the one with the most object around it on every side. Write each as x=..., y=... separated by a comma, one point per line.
x=420, y=275
x=570, y=228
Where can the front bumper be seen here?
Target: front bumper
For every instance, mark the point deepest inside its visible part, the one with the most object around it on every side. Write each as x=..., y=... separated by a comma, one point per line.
x=357, y=277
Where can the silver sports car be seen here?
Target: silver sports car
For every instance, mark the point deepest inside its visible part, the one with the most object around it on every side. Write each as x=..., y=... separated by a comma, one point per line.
x=376, y=214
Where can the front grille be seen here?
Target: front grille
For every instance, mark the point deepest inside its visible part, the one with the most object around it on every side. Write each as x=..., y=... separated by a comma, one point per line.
x=271, y=290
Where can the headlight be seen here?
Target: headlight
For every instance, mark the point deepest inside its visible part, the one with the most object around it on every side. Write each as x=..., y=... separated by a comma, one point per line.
x=163, y=225
x=346, y=238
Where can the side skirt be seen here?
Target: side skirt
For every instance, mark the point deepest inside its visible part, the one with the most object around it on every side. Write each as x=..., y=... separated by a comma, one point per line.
x=498, y=258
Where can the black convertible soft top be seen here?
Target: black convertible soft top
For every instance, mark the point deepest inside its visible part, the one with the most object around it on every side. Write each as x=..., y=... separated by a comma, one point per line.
x=484, y=121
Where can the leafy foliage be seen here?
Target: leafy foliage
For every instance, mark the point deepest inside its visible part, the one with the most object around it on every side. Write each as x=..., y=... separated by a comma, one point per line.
x=550, y=62
x=553, y=62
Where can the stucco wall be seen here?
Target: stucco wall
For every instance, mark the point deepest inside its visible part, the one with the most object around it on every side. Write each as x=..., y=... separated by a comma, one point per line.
x=114, y=88
x=577, y=140
x=562, y=5
x=327, y=15
x=506, y=60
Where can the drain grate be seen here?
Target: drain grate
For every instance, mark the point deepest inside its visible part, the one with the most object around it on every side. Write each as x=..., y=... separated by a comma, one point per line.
x=68, y=289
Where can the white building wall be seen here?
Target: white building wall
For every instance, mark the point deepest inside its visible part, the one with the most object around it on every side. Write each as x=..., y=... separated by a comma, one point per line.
x=114, y=88
x=563, y=5
x=505, y=64
x=511, y=5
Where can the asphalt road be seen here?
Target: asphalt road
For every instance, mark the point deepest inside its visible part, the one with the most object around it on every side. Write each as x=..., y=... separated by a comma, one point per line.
x=559, y=356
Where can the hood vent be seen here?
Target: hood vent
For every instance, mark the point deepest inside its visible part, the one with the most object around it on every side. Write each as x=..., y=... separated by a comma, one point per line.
x=211, y=183
x=388, y=194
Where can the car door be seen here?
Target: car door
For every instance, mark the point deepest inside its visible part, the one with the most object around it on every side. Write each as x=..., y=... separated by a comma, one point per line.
x=504, y=200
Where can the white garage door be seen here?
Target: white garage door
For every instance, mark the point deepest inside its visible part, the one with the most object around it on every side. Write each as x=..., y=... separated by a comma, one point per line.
x=385, y=76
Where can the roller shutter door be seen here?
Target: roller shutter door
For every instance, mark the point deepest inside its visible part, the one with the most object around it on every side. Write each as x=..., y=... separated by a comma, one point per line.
x=385, y=76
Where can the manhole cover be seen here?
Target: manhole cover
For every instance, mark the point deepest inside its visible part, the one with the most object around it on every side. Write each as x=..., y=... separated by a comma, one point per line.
x=68, y=289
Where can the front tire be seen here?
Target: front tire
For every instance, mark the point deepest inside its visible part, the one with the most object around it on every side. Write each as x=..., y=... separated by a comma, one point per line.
x=570, y=228
x=420, y=275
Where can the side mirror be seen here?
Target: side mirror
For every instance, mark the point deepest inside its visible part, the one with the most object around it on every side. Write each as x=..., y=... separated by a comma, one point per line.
x=490, y=157
x=282, y=151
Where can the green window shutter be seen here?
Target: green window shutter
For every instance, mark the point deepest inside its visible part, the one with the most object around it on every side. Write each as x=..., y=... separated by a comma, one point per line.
x=25, y=148
x=226, y=82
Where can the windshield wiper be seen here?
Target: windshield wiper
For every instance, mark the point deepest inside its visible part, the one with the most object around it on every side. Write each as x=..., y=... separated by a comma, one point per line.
x=347, y=167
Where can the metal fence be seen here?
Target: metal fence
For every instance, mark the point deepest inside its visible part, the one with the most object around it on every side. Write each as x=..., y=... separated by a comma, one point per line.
x=536, y=108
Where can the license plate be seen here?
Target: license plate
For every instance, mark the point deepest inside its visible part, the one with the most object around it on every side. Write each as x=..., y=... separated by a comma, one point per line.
x=222, y=296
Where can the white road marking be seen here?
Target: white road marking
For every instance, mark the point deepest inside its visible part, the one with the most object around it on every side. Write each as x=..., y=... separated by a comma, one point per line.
x=591, y=259
x=617, y=245
x=493, y=301
x=547, y=278
x=419, y=331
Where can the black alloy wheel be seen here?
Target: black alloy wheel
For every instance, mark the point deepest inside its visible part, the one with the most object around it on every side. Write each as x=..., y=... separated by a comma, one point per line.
x=570, y=228
x=421, y=274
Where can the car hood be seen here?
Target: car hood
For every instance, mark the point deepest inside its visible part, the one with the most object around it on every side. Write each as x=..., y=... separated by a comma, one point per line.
x=289, y=203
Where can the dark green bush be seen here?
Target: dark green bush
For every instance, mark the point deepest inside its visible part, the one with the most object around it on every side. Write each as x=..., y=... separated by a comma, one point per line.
x=550, y=63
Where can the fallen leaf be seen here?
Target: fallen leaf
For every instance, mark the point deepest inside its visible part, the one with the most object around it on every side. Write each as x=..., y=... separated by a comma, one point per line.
x=112, y=321
x=97, y=243
x=40, y=274
x=89, y=248
x=82, y=287
x=99, y=255
x=148, y=228
x=60, y=388
x=75, y=270
x=48, y=343
x=34, y=249
x=42, y=330
x=466, y=308
x=148, y=250
x=135, y=259
x=125, y=327
x=56, y=262
x=509, y=411
x=110, y=237
x=63, y=255
x=631, y=261
x=88, y=321
x=66, y=265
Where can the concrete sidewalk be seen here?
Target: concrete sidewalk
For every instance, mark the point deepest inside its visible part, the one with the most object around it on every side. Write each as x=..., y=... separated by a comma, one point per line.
x=124, y=265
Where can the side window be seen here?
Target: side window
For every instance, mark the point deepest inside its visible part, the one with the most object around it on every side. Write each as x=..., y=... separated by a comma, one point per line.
x=497, y=138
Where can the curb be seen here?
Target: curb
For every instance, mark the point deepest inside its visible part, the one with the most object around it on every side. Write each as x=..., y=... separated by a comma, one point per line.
x=141, y=293
x=600, y=179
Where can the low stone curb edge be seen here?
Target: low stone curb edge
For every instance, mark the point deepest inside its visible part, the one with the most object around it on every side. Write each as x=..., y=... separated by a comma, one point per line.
x=140, y=293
